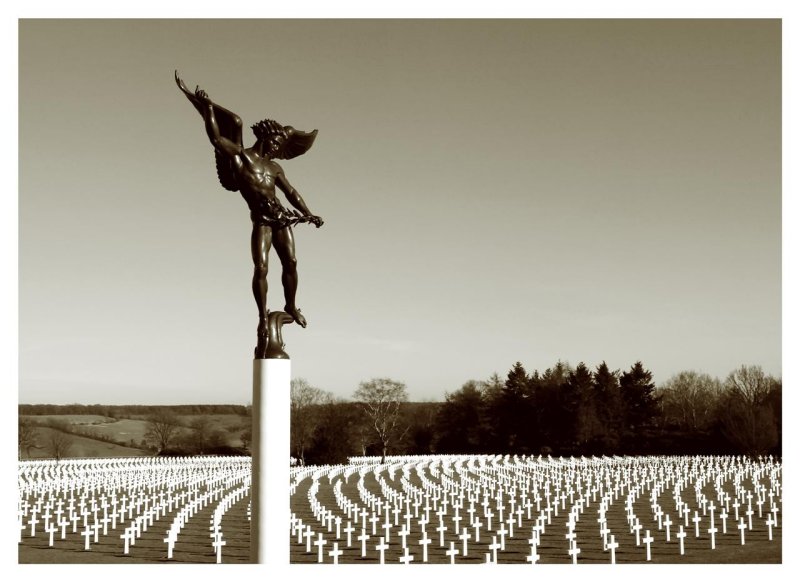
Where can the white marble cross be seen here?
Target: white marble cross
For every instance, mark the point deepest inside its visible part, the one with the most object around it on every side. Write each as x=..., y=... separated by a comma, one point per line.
x=320, y=543
x=647, y=539
x=494, y=546
x=424, y=542
x=404, y=534
x=127, y=536
x=680, y=535
x=452, y=552
x=33, y=521
x=441, y=529
x=363, y=539
x=172, y=537
x=613, y=545
x=382, y=547
x=87, y=534
x=697, y=519
x=477, y=524
x=713, y=530
x=574, y=551
x=465, y=537
x=336, y=552
x=218, y=543
x=349, y=531
x=637, y=528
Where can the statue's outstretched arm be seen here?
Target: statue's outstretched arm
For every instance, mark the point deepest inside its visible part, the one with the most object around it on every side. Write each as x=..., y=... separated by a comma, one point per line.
x=220, y=142
x=293, y=196
x=228, y=141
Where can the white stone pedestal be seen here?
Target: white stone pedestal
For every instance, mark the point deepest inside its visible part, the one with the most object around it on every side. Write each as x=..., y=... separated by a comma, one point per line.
x=269, y=519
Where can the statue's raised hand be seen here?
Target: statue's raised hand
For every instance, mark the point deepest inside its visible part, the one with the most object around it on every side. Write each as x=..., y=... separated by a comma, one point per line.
x=201, y=94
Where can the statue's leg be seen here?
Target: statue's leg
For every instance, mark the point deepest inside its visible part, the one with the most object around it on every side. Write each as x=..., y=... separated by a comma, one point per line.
x=284, y=246
x=260, y=242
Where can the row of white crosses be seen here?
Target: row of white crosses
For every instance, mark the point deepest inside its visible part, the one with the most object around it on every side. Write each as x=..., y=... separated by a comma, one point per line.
x=228, y=501
x=467, y=498
x=96, y=496
x=719, y=471
x=397, y=508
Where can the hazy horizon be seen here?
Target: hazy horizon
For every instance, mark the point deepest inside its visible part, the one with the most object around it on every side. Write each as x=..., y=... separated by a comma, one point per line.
x=493, y=191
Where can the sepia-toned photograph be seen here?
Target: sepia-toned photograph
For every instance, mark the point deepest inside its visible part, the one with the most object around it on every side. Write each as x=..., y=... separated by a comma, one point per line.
x=400, y=291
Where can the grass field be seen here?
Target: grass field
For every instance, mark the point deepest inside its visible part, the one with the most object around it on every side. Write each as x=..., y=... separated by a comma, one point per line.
x=83, y=447
x=128, y=434
x=70, y=419
x=122, y=430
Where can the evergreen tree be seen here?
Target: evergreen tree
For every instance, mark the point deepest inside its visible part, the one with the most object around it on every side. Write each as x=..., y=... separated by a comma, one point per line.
x=514, y=411
x=548, y=388
x=639, y=400
x=460, y=421
x=580, y=416
x=609, y=409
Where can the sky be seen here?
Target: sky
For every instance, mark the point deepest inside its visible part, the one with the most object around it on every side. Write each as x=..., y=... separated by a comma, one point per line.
x=493, y=191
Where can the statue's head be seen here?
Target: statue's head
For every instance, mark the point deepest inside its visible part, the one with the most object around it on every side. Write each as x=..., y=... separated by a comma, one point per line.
x=272, y=134
x=282, y=141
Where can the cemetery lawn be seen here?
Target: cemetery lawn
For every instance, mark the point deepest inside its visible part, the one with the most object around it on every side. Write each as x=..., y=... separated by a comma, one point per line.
x=595, y=493
x=552, y=549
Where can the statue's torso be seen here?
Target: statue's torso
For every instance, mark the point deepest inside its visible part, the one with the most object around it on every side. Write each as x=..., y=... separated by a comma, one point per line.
x=256, y=179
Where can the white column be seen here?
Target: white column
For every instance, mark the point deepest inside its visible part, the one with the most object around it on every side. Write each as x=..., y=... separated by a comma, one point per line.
x=269, y=520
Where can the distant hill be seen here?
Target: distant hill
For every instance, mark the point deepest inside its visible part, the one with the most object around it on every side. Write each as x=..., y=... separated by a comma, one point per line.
x=113, y=431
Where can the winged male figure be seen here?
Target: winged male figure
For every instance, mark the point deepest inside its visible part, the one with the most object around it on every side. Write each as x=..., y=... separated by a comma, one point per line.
x=254, y=173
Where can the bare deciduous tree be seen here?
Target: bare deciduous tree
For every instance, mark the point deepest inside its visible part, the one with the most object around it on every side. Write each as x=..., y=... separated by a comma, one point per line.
x=381, y=399
x=205, y=435
x=27, y=435
x=246, y=437
x=57, y=443
x=305, y=415
x=749, y=384
x=162, y=428
x=748, y=420
x=689, y=400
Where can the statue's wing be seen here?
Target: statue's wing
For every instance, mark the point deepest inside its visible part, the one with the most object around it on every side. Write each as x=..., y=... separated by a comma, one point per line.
x=297, y=143
x=230, y=127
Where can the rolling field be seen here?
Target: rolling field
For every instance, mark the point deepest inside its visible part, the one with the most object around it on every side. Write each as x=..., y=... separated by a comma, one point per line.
x=85, y=447
x=128, y=435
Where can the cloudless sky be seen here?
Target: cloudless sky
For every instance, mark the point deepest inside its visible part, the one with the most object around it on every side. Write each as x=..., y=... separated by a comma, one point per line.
x=492, y=191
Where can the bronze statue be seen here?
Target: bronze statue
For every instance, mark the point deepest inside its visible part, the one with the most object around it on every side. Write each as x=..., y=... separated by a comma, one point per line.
x=254, y=173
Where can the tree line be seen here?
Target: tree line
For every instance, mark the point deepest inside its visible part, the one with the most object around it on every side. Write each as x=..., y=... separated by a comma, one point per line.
x=563, y=410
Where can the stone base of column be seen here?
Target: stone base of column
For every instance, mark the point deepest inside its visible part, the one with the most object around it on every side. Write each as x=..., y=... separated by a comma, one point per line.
x=269, y=510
